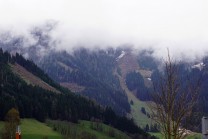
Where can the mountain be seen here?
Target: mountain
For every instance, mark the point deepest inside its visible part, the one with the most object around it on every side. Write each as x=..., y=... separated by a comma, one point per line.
x=26, y=87
x=86, y=72
x=31, y=128
x=92, y=71
x=123, y=72
x=98, y=74
x=121, y=78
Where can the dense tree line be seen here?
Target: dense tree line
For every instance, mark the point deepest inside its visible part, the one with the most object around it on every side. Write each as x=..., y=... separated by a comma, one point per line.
x=94, y=71
x=147, y=61
x=35, y=70
x=35, y=102
x=135, y=82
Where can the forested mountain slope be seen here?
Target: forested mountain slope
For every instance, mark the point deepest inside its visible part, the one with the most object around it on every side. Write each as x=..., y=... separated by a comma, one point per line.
x=94, y=73
x=36, y=102
x=88, y=72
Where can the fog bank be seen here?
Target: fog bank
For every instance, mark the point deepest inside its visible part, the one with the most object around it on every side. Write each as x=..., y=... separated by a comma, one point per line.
x=178, y=25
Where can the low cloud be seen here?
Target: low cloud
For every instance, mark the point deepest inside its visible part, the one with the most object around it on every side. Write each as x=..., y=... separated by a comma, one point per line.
x=178, y=25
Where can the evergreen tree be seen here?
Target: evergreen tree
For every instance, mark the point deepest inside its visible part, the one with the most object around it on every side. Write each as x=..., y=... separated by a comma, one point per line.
x=143, y=110
x=132, y=102
x=36, y=102
x=147, y=128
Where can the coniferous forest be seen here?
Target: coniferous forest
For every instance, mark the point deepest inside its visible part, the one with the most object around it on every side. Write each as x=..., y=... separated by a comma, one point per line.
x=35, y=102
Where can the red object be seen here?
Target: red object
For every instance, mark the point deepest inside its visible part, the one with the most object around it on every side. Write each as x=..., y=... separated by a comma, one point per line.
x=17, y=135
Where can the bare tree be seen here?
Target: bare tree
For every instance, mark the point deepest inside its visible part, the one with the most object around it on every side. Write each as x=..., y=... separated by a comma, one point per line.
x=12, y=120
x=174, y=99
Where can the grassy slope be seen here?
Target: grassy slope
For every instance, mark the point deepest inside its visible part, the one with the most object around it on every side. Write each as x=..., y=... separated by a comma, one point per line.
x=140, y=119
x=128, y=63
x=192, y=136
x=85, y=127
x=32, y=129
x=136, y=113
x=1, y=126
x=101, y=135
x=37, y=130
x=195, y=136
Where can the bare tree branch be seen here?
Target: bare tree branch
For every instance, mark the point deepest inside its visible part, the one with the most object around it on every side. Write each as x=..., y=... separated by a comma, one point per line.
x=174, y=98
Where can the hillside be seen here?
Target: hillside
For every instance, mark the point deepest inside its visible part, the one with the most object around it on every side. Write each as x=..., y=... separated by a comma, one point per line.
x=89, y=73
x=33, y=101
x=33, y=129
x=86, y=129
x=1, y=126
x=140, y=118
x=94, y=73
x=29, y=78
x=192, y=136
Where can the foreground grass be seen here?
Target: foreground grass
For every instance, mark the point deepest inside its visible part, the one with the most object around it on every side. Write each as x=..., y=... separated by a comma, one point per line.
x=157, y=134
x=195, y=136
x=32, y=129
x=192, y=136
x=86, y=129
x=1, y=126
x=105, y=133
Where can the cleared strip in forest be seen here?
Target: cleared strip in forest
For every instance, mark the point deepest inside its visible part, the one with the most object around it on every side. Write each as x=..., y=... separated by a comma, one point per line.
x=30, y=78
x=140, y=118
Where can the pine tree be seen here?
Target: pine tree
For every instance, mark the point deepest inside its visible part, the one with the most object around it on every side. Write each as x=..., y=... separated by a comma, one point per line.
x=147, y=128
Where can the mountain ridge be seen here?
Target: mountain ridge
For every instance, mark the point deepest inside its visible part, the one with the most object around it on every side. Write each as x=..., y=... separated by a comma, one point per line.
x=93, y=71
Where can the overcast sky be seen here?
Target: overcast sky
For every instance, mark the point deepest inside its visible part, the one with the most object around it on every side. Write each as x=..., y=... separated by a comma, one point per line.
x=181, y=25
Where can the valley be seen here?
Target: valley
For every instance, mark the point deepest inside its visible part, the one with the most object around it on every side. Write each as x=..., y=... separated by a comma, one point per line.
x=122, y=77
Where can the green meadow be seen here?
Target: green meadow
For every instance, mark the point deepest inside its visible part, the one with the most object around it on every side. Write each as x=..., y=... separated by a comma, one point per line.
x=33, y=129
x=86, y=129
x=192, y=136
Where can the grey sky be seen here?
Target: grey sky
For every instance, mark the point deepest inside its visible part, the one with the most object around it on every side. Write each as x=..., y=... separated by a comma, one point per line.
x=181, y=25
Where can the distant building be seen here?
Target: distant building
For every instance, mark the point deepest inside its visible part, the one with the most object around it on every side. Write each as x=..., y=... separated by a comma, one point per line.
x=205, y=128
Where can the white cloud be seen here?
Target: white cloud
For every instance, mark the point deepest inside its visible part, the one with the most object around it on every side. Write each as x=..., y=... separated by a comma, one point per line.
x=181, y=25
